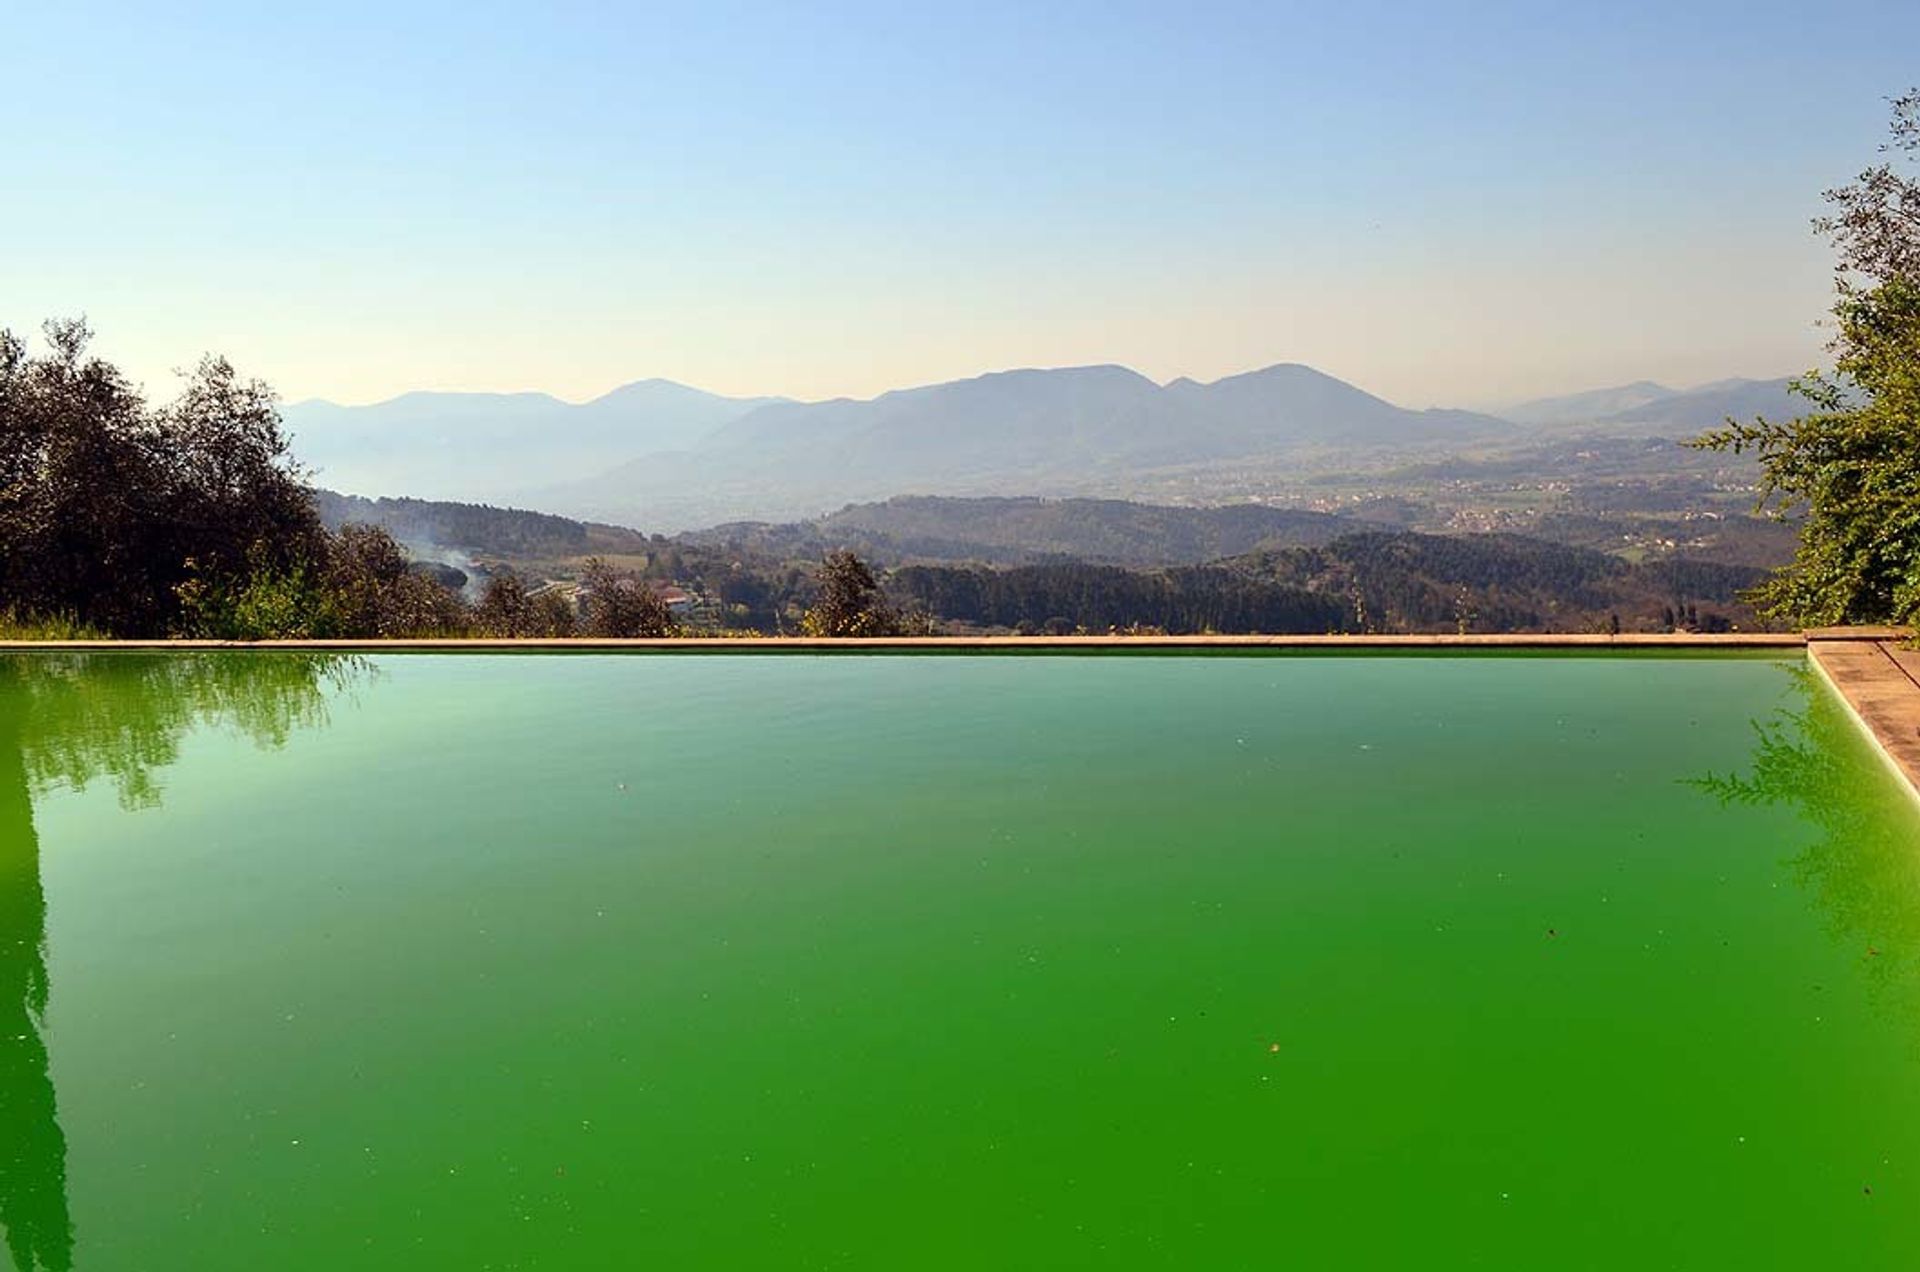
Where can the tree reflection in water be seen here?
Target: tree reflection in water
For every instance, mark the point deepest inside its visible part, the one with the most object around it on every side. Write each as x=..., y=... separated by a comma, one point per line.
x=67, y=720
x=1864, y=868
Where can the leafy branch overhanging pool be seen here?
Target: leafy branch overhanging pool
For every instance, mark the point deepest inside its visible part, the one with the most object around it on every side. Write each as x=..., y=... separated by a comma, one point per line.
x=323, y=961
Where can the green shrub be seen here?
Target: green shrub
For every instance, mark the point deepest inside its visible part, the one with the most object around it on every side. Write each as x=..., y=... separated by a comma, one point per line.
x=15, y=625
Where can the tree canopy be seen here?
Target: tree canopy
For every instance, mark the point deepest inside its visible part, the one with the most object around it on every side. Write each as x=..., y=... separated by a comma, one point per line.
x=619, y=604
x=1852, y=464
x=188, y=518
x=851, y=603
x=108, y=505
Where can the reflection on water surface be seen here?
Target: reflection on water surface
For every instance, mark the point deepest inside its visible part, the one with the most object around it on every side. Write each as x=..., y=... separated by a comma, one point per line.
x=70, y=720
x=1863, y=868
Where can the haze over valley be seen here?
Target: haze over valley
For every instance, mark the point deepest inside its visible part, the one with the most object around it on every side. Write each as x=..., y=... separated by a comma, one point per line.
x=666, y=457
x=1079, y=498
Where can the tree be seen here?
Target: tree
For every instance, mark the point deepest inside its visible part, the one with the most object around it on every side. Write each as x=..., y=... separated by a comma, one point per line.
x=1852, y=465
x=551, y=616
x=1876, y=221
x=188, y=518
x=375, y=592
x=504, y=608
x=105, y=500
x=507, y=609
x=850, y=602
x=619, y=605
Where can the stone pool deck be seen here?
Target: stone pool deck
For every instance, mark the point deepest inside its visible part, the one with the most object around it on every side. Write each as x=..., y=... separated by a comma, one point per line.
x=1879, y=680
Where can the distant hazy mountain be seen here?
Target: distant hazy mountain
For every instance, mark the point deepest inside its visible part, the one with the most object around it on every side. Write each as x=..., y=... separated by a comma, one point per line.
x=1016, y=531
x=669, y=457
x=1645, y=403
x=1013, y=431
x=1710, y=404
x=1594, y=404
x=1290, y=405
x=487, y=445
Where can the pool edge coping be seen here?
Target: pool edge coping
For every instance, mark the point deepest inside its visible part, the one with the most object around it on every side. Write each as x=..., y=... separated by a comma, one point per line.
x=809, y=644
x=1882, y=697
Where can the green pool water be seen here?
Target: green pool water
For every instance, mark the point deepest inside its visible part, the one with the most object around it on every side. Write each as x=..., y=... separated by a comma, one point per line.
x=424, y=962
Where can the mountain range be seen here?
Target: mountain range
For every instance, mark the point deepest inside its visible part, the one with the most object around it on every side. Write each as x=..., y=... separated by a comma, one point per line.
x=669, y=457
x=1634, y=407
x=478, y=446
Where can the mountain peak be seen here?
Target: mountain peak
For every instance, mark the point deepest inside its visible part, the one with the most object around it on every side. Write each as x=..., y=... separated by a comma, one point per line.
x=1277, y=370
x=659, y=394
x=1110, y=371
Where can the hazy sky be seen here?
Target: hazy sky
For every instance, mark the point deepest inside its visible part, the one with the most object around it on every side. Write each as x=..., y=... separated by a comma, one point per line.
x=1441, y=203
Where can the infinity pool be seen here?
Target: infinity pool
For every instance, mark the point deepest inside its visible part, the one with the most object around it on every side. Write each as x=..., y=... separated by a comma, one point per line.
x=764, y=962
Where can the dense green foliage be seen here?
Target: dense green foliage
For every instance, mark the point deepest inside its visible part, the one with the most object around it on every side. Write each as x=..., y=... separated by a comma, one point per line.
x=1853, y=462
x=124, y=518
x=1101, y=598
x=108, y=505
x=850, y=601
x=1421, y=582
x=507, y=609
x=15, y=626
x=616, y=604
x=356, y=583
x=119, y=518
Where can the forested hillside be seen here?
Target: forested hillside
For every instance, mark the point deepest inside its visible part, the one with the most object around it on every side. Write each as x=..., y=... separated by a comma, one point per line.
x=1059, y=599
x=468, y=527
x=1377, y=581
x=1019, y=531
x=1500, y=582
x=1063, y=565
x=536, y=544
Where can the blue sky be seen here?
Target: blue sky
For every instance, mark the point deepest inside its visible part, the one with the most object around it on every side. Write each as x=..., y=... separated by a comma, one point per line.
x=1443, y=203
